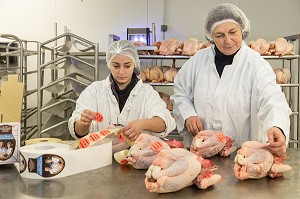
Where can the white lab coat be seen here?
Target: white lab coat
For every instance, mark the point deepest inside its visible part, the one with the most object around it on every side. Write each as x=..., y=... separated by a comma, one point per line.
x=244, y=103
x=143, y=102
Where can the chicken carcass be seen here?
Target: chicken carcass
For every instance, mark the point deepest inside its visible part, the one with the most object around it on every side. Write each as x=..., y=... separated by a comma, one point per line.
x=117, y=144
x=206, y=176
x=281, y=47
x=255, y=161
x=154, y=74
x=169, y=47
x=261, y=46
x=178, y=168
x=191, y=46
x=142, y=76
x=175, y=143
x=282, y=75
x=278, y=168
x=145, y=150
x=209, y=143
x=169, y=75
x=166, y=98
x=172, y=170
x=139, y=43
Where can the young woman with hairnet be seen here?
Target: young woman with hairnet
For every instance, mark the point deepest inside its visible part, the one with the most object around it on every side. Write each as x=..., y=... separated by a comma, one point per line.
x=229, y=87
x=122, y=99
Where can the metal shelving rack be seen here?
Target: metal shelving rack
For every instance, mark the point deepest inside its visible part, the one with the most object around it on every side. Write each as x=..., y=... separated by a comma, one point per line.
x=65, y=67
x=294, y=89
x=291, y=90
x=18, y=49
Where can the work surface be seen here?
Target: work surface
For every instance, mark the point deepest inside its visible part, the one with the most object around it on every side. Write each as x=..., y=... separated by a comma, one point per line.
x=115, y=181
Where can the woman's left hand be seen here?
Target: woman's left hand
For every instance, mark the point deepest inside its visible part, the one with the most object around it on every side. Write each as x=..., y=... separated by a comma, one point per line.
x=132, y=130
x=276, y=140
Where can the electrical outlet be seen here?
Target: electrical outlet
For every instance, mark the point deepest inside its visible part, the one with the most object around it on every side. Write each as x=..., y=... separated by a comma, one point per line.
x=164, y=28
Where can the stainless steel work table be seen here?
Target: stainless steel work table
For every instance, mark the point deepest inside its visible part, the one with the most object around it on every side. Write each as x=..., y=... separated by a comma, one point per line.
x=114, y=181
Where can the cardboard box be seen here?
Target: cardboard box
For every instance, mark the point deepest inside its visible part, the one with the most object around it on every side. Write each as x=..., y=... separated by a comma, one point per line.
x=11, y=99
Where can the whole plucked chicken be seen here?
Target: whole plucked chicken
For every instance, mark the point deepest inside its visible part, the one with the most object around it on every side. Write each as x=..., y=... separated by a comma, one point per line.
x=154, y=74
x=177, y=168
x=209, y=143
x=145, y=150
x=169, y=47
x=281, y=47
x=261, y=46
x=254, y=161
x=283, y=75
x=191, y=46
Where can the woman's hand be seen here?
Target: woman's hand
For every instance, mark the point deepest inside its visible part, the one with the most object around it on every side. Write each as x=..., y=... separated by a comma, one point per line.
x=193, y=125
x=87, y=116
x=277, y=141
x=133, y=129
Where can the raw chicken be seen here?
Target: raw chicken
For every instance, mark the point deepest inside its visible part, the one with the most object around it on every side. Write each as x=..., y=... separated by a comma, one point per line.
x=278, y=168
x=169, y=75
x=206, y=177
x=142, y=76
x=166, y=98
x=175, y=143
x=281, y=47
x=154, y=74
x=164, y=68
x=178, y=168
x=139, y=43
x=254, y=161
x=169, y=47
x=209, y=143
x=191, y=46
x=145, y=150
x=157, y=44
x=282, y=75
x=261, y=46
x=117, y=144
x=172, y=170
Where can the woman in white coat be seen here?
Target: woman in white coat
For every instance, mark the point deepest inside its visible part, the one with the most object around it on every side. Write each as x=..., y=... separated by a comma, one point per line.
x=229, y=87
x=122, y=99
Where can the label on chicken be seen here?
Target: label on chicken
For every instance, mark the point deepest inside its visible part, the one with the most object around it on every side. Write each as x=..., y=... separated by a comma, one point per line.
x=156, y=146
x=221, y=137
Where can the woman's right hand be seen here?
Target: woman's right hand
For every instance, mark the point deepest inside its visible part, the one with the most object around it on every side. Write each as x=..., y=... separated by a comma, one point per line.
x=193, y=125
x=87, y=116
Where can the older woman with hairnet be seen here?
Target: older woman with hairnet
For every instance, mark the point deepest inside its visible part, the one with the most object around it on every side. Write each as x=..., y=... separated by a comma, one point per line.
x=122, y=99
x=229, y=87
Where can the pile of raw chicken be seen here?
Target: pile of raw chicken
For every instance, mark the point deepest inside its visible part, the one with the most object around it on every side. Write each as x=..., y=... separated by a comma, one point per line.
x=165, y=74
x=171, y=167
x=173, y=46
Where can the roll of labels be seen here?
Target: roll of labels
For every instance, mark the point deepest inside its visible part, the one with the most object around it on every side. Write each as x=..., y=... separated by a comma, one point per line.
x=45, y=158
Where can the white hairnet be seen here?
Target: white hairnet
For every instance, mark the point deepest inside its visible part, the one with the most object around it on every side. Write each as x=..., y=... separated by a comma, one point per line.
x=126, y=48
x=225, y=12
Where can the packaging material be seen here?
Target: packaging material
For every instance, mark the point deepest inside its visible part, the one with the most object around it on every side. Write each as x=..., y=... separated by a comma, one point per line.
x=48, y=160
x=9, y=143
x=11, y=99
x=74, y=144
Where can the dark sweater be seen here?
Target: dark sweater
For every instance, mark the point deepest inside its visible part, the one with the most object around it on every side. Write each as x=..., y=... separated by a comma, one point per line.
x=122, y=95
x=222, y=60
